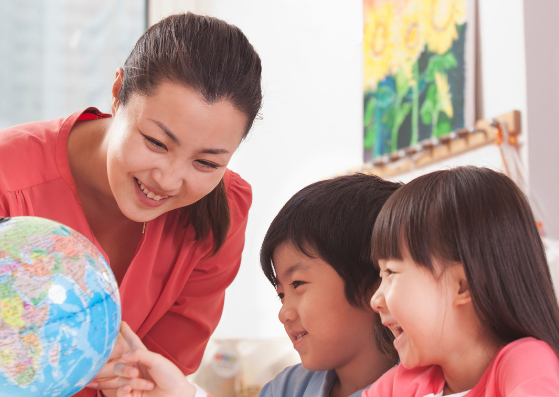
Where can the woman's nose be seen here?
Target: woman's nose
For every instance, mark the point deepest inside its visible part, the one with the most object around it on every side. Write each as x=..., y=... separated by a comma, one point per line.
x=287, y=314
x=169, y=177
x=377, y=301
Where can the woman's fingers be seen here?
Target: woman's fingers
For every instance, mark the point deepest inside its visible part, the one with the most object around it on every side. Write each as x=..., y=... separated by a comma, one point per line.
x=136, y=384
x=104, y=384
x=121, y=347
x=126, y=370
x=132, y=340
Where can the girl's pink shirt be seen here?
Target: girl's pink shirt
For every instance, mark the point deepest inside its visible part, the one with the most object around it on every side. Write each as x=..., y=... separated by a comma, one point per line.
x=525, y=367
x=173, y=291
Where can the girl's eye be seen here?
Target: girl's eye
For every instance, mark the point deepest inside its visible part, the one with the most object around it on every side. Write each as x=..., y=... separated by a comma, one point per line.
x=386, y=272
x=155, y=143
x=207, y=164
x=296, y=284
x=281, y=295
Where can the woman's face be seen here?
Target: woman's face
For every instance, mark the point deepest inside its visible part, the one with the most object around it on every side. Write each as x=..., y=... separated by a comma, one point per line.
x=169, y=149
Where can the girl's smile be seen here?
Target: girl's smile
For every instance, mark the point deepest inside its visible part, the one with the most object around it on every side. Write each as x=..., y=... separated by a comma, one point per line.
x=417, y=308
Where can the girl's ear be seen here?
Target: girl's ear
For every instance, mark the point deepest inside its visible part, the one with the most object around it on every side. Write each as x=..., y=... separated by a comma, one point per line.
x=460, y=283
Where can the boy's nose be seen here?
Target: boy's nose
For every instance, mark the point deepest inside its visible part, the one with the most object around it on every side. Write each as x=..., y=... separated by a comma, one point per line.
x=287, y=314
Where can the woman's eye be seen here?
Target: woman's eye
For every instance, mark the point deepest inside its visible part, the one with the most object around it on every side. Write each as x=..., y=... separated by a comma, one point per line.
x=296, y=284
x=155, y=143
x=207, y=164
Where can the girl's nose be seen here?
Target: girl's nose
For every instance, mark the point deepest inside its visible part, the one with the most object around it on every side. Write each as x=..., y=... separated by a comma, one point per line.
x=287, y=314
x=377, y=301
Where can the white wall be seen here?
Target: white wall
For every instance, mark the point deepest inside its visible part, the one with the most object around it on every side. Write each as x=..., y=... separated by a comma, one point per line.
x=311, y=127
x=542, y=71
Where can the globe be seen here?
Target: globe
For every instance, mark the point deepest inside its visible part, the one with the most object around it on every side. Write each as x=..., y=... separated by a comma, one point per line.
x=59, y=309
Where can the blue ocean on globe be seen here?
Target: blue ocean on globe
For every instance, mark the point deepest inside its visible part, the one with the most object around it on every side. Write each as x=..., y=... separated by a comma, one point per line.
x=59, y=309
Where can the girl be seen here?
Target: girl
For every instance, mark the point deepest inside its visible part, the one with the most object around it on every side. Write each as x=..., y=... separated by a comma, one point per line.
x=317, y=254
x=465, y=290
x=149, y=184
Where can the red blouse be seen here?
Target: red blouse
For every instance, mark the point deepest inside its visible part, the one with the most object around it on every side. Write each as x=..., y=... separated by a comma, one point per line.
x=173, y=291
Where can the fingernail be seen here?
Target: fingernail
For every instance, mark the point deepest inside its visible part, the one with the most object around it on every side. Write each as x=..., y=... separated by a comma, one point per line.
x=93, y=385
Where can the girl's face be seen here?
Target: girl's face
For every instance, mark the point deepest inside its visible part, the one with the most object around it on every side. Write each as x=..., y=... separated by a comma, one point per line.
x=169, y=149
x=415, y=306
x=326, y=331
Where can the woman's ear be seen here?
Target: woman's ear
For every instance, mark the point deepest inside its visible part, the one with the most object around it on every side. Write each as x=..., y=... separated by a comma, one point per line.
x=119, y=78
x=460, y=284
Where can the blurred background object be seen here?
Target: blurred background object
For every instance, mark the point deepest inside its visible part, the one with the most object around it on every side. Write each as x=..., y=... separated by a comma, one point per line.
x=59, y=56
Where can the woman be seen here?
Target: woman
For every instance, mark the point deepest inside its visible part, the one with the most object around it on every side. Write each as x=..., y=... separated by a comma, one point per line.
x=148, y=183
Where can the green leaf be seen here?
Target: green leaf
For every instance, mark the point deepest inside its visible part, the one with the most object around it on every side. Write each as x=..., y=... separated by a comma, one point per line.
x=385, y=96
x=449, y=61
x=433, y=66
x=402, y=84
x=426, y=112
x=369, y=111
x=403, y=113
x=369, y=137
x=443, y=128
x=432, y=94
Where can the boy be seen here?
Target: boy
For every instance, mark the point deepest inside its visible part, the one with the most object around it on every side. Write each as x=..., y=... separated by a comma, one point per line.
x=316, y=254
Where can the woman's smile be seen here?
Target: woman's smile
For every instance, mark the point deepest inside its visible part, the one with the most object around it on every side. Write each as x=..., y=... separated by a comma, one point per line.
x=147, y=196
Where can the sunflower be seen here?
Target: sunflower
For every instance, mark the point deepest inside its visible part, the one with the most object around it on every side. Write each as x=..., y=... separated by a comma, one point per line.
x=413, y=30
x=442, y=16
x=411, y=33
x=443, y=91
x=378, y=44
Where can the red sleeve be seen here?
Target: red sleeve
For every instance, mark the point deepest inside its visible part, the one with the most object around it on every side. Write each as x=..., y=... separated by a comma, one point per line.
x=529, y=368
x=195, y=315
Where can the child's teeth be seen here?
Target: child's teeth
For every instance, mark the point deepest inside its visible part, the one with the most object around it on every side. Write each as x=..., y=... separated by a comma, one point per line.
x=157, y=197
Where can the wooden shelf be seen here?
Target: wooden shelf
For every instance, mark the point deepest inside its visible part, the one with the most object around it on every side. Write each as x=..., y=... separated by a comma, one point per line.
x=430, y=151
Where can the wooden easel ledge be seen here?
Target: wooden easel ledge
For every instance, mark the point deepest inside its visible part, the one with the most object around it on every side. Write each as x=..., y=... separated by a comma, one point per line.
x=430, y=151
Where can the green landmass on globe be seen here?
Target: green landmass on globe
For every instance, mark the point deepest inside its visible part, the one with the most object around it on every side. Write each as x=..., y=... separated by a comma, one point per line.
x=59, y=309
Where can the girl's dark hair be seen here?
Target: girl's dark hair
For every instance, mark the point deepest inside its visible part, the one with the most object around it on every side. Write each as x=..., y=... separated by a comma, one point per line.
x=334, y=219
x=216, y=60
x=481, y=219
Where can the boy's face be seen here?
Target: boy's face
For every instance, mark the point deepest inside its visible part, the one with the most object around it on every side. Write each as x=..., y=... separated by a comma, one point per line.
x=327, y=332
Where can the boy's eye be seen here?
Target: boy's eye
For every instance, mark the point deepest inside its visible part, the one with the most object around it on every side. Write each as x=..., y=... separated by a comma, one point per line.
x=296, y=284
x=281, y=295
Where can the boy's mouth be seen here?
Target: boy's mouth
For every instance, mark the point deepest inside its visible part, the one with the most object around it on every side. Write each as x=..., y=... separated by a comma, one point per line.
x=299, y=336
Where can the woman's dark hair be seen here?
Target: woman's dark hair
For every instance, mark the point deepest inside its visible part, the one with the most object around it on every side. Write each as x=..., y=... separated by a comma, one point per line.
x=481, y=219
x=216, y=60
x=334, y=219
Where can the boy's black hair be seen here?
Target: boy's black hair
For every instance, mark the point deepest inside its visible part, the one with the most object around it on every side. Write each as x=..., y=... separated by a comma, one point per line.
x=333, y=219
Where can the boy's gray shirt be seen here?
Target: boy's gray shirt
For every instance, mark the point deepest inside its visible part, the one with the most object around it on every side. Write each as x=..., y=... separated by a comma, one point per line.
x=296, y=381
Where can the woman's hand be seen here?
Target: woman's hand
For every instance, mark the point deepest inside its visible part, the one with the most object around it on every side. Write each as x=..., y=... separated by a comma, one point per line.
x=106, y=378
x=142, y=373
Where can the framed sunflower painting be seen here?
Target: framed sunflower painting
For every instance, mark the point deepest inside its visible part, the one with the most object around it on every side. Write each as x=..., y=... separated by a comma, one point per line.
x=419, y=71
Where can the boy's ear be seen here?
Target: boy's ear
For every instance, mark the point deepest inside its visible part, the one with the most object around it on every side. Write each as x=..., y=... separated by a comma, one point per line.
x=460, y=283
